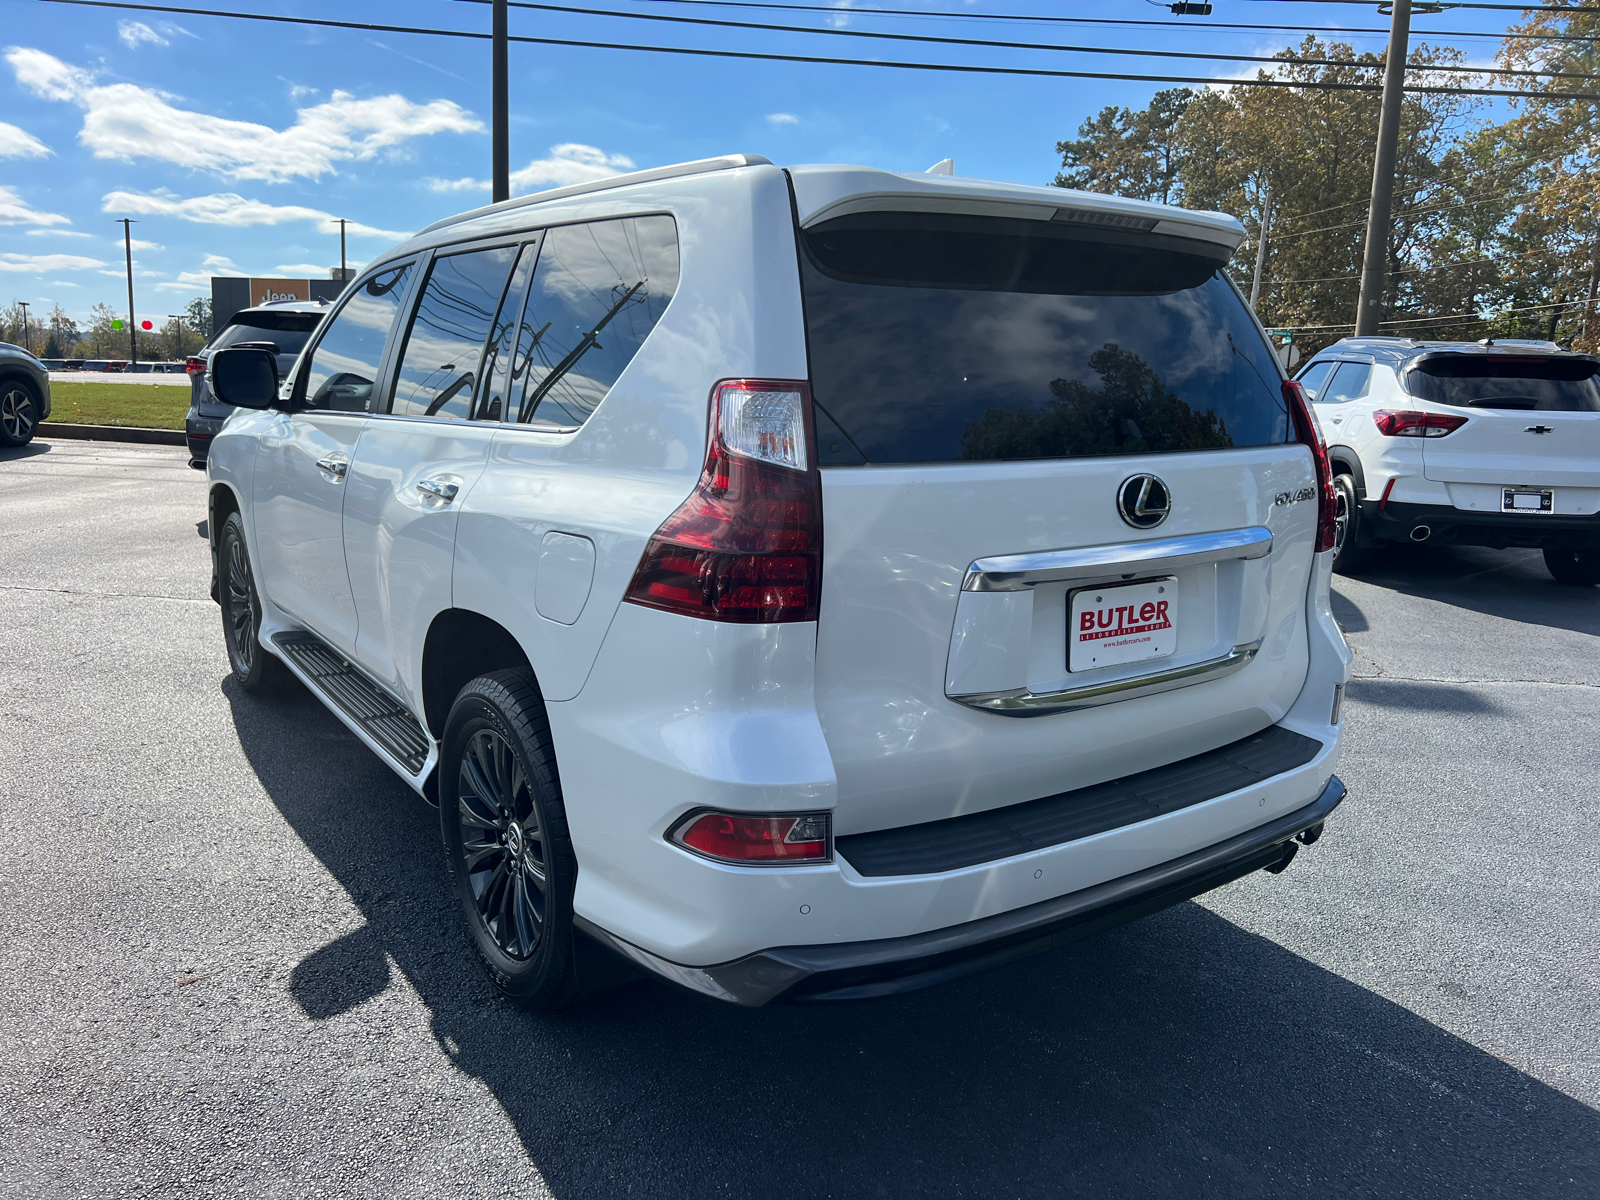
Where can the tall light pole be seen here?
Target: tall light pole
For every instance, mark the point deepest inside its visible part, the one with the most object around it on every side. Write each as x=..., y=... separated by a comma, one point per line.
x=343, y=277
x=127, y=246
x=26, y=344
x=499, y=104
x=1261, y=242
x=1369, y=309
x=178, y=318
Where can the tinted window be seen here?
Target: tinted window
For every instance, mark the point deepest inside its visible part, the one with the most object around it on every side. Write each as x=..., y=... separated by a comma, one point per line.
x=1315, y=376
x=439, y=365
x=1350, y=382
x=345, y=362
x=1485, y=381
x=289, y=332
x=497, y=363
x=945, y=338
x=598, y=291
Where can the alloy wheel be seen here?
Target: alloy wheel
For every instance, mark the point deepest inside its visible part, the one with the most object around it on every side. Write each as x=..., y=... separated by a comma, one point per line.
x=1341, y=520
x=241, y=610
x=502, y=844
x=16, y=414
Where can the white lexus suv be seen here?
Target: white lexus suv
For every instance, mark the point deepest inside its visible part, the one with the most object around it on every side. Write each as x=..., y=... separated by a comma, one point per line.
x=811, y=583
x=1462, y=443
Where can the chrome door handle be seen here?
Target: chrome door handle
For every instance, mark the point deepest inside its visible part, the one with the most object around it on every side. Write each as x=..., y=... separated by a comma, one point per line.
x=335, y=465
x=437, y=490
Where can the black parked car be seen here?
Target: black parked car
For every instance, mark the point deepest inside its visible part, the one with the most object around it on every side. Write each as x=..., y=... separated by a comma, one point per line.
x=24, y=395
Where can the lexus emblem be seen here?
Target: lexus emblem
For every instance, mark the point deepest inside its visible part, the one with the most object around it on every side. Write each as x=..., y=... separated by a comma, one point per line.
x=1143, y=501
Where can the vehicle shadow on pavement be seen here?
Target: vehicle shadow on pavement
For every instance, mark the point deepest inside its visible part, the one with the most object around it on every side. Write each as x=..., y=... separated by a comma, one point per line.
x=1513, y=584
x=31, y=450
x=1178, y=1055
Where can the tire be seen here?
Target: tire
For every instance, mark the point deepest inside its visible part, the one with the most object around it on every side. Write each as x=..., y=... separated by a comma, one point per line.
x=1580, y=567
x=505, y=833
x=1350, y=553
x=256, y=670
x=19, y=413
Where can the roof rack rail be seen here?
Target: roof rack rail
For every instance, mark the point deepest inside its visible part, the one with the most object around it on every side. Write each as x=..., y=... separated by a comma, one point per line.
x=726, y=162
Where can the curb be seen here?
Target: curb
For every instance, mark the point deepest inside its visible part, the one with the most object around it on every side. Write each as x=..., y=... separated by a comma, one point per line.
x=111, y=433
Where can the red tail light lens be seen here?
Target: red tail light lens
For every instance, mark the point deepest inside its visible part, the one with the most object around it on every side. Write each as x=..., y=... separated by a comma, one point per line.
x=746, y=546
x=1308, y=430
x=746, y=839
x=1415, y=424
x=194, y=366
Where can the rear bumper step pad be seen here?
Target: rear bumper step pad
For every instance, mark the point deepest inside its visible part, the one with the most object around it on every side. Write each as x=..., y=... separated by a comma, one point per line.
x=984, y=837
x=384, y=719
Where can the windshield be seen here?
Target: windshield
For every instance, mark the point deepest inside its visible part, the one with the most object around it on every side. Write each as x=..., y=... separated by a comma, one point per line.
x=941, y=338
x=288, y=331
x=1501, y=381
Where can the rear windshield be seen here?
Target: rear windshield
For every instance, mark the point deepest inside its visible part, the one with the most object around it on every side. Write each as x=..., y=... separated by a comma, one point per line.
x=1485, y=381
x=938, y=338
x=289, y=331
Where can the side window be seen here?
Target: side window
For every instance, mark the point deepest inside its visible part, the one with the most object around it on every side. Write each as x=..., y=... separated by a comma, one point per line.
x=598, y=291
x=1314, y=376
x=1350, y=383
x=497, y=363
x=344, y=365
x=439, y=364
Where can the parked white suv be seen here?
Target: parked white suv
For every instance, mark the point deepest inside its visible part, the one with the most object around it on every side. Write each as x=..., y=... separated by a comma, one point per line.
x=813, y=582
x=1462, y=443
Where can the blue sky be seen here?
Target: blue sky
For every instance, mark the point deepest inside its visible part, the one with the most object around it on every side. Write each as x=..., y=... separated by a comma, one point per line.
x=234, y=143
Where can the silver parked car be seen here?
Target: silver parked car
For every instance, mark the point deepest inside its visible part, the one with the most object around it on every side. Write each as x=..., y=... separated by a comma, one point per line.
x=282, y=326
x=24, y=395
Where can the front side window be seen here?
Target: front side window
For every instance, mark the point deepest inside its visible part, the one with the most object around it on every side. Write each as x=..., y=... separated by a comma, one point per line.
x=438, y=369
x=938, y=338
x=598, y=291
x=344, y=365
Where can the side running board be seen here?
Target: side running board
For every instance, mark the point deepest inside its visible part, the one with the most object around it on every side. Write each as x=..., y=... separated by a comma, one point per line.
x=384, y=719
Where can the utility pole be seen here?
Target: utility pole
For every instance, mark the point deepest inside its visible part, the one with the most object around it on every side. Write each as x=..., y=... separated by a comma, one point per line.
x=178, y=319
x=26, y=344
x=1261, y=242
x=127, y=246
x=342, y=274
x=1369, y=309
x=500, y=103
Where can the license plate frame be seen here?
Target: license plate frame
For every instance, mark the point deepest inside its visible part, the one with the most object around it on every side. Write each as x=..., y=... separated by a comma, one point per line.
x=1121, y=640
x=1544, y=500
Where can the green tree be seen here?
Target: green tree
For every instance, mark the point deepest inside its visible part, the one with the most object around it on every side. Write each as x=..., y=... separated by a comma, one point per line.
x=1128, y=153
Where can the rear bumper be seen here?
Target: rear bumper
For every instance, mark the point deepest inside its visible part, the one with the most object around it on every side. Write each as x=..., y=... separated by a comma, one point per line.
x=197, y=434
x=1450, y=526
x=859, y=970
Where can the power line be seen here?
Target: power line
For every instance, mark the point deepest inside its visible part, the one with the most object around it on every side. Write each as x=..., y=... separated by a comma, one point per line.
x=1453, y=4
x=1468, y=262
x=1455, y=317
x=1416, y=191
x=953, y=41
x=821, y=60
x=1410, y=212
x=856, y=10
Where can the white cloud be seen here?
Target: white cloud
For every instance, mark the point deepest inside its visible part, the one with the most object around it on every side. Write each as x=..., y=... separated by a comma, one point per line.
x=841, y=21
x=227, y=208
x=14, y=210
x=48, y=262
x=301, y=270
x=139, y=244
x=19, y=143
x=569, y=163
x=218, y=264
x=134, y=32
x=783, y=118
x=125, y=121
x=464, y=184
x=57, y=233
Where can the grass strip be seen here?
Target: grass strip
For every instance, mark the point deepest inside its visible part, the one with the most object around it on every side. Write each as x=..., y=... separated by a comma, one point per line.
x=150, y=406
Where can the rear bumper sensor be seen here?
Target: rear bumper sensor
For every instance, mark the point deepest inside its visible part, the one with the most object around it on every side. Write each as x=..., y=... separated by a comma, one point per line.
x=383, y=718
x=861, y=970
x=984, y=837
x=1451, y=526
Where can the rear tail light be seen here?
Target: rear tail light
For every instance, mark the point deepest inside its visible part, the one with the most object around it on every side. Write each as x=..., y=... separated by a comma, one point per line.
x=195, y=366
x=747, y=839
x=746, y=546
x=1416, y=424
x=1308, y=429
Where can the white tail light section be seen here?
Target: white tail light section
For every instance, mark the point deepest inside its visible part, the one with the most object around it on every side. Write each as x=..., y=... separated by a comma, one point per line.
x=769, y=426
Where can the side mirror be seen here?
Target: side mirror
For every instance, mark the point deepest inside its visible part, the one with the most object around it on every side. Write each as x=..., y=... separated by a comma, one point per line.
x=245, y=377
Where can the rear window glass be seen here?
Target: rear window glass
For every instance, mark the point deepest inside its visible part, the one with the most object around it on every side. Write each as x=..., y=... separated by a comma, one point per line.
x=288, y=331
x=1485, y=381
x=938, y=338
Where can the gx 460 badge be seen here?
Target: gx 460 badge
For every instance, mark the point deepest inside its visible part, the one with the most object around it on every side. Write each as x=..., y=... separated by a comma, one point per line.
x=1294, y=497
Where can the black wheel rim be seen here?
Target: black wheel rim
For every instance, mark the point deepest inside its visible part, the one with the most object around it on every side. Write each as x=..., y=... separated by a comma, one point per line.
x=16, y=413
x=502, y=844
x=1341, y=519
x=241, y=610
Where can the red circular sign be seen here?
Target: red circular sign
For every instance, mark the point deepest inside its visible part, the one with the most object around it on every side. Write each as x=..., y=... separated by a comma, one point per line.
x=146, y=325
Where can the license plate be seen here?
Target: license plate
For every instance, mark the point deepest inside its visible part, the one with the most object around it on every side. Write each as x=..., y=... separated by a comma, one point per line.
x=1109, y=626
x=1527, y=500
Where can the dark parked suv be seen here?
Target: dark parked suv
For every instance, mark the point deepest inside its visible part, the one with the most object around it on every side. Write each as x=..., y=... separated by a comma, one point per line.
x=283, y=327
x=24, y=395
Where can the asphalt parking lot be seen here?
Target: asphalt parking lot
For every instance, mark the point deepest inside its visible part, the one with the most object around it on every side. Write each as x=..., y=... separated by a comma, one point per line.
x=233, y=966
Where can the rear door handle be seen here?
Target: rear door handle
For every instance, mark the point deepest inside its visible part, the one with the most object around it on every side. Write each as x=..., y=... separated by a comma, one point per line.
x=335, y=465
x=438, y=490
